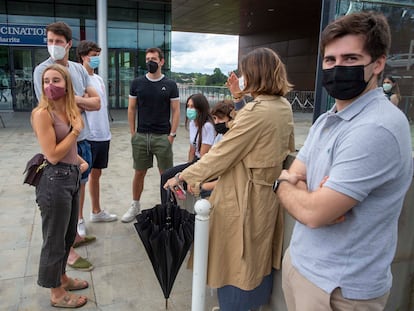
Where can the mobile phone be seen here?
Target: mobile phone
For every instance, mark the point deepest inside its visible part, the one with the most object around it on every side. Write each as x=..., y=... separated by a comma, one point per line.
x=180, y=192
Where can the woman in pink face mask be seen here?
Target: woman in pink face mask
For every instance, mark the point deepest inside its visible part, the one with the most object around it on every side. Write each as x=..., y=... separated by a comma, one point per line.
x=57, y=123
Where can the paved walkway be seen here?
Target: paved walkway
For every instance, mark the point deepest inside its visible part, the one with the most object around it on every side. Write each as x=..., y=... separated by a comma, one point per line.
x=123, y=278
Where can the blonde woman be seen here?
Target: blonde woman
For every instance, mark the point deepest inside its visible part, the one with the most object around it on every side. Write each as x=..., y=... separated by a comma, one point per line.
x=246, y=222
x=57, y=123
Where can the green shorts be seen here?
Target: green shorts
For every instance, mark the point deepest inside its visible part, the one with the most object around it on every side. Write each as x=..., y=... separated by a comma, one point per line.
x=146, y=145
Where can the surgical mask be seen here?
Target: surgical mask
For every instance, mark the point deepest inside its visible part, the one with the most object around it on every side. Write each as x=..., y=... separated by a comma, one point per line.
x=344, y=82
x=221, y=128
x=57, y=52
x=191, y=113
x=94, y=61
x=241, y=83
x=387, y=87
x=152, y=66
x=54, y=92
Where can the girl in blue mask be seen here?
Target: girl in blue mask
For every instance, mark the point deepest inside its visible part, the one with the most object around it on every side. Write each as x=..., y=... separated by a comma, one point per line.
x=200, y=124
x=391, y=90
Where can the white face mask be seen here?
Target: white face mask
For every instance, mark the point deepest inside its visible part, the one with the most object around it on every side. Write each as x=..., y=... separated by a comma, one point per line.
x=241, y=83
x=57, y=52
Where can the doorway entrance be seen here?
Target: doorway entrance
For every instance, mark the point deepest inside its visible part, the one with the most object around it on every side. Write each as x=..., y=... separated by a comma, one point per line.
x=122, y=70
x=23, y=61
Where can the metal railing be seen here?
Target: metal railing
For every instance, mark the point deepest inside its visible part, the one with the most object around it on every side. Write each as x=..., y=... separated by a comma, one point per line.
x=302, y=101
x=212, y=93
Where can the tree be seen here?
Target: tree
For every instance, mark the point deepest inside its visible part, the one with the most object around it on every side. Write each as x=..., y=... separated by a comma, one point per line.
x=217, y=78
x=201, y=79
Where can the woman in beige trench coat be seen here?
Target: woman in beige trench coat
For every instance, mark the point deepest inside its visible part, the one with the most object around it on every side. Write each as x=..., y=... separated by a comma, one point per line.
x=246, y=222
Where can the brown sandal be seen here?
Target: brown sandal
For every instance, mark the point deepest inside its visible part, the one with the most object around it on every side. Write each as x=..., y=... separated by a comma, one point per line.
x=76, y=284
x=69, y=301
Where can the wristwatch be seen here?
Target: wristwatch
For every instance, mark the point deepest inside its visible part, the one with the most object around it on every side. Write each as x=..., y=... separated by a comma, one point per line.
x=173, y=134
x=277, y=183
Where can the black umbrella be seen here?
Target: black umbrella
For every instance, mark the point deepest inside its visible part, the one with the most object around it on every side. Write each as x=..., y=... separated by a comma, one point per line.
x=167, y=232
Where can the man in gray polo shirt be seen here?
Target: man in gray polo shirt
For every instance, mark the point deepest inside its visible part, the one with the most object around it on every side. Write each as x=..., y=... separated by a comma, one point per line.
x=347, y=185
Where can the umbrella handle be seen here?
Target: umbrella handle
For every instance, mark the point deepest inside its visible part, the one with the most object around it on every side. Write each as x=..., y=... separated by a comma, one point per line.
x=168, y=206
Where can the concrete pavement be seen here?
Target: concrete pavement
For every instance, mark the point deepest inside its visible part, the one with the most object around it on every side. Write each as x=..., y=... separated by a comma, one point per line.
x=123, y=278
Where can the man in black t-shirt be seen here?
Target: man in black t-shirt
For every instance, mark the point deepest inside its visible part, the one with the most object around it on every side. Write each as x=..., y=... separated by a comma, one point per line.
x=153, y=100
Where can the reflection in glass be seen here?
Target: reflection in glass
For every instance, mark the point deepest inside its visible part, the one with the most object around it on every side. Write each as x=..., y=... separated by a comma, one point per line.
x=400, y=61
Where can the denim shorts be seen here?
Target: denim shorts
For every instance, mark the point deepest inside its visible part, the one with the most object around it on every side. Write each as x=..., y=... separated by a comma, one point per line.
x=84, y=150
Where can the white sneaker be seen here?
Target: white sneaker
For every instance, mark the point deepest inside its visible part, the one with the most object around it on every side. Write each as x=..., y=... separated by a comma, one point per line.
x=103, y=216
x=131, y=213
x=81, y=227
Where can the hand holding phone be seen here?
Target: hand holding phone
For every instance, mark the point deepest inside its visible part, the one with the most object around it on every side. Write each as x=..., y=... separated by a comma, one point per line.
x=180, y=192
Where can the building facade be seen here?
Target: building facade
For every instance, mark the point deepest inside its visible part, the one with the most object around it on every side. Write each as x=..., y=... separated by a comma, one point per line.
x=290, y=28
x=132, y=27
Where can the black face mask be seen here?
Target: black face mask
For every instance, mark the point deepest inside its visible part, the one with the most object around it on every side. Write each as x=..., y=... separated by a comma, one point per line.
x=221, y=128
x=152, y=66
x=344, y=82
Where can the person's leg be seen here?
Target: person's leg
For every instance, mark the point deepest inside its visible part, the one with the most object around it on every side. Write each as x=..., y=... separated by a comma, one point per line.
x=137, y=188
x=301, y=294
x=138, y=184
x=54, y=195
x=94, y=186
x=143, y=158
x=100, y=155
x=84, y=150
x=81, y=199
x=339, y=303
x=286, y=284
x=73, y=258
x=162, y=149
x=58, y=198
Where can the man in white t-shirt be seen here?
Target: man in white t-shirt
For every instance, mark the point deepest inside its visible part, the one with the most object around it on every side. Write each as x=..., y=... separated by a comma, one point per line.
x=99, y=134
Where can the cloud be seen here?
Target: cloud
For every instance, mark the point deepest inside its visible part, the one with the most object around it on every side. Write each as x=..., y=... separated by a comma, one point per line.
x=197, y=52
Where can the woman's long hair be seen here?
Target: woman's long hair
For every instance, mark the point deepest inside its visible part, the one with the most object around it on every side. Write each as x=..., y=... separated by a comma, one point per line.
x=72, y=110
x=202, y=107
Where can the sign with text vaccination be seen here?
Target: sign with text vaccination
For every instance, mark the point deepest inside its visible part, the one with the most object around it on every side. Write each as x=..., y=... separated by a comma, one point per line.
x=20, y=34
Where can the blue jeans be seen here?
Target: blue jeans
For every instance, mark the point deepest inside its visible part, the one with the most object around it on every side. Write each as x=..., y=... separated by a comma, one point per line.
x=58, y=198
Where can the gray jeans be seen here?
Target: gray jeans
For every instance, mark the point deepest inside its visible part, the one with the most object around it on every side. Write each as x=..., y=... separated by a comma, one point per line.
x=58, y=198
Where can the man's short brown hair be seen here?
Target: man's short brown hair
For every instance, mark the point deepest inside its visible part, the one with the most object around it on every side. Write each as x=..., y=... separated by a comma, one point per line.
x=61, y=29
x=155, y=50
x=84, y=48
x=373, y=26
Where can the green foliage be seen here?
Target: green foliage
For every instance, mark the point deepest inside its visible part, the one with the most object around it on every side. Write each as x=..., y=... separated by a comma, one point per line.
x=201, y=80
x=216, y=79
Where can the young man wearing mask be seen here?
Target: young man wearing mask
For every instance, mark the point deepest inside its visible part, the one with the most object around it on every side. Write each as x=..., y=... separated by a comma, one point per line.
x=347, y=185
x=88, y=54
x=59, y=42
x=153, y=101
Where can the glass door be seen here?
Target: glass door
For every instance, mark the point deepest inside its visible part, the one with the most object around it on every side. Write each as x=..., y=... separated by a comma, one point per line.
x=22, y=79
x=6, y=103
x=122, y=69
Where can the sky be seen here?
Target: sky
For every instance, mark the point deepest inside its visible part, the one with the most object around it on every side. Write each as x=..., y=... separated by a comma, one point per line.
x=202, y=53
